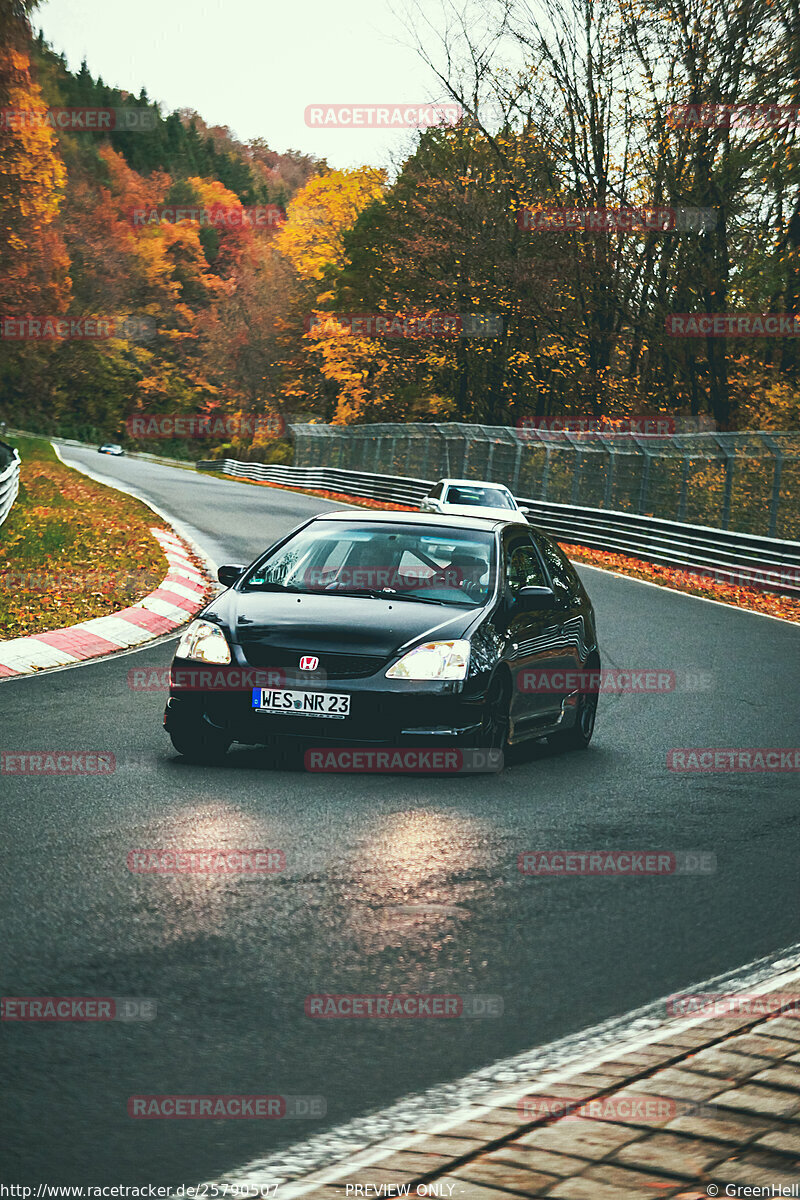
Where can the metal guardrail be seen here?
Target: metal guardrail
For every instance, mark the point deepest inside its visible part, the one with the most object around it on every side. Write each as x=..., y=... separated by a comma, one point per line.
x=739, y=558
x=9, y=479
x=396, y=489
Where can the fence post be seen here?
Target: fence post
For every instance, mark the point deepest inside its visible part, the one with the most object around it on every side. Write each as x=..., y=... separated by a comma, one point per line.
x=730, y=463
x=645, y=477
x=410, y=441
x=684, y=486
x=465, y=460
x=612, y=459
x=425, y=457
x=576, y=470
x=546, y=472
x=517, y=468
x=775, y=498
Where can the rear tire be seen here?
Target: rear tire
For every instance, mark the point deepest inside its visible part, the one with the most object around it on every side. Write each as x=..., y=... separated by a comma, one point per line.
x=205, y=746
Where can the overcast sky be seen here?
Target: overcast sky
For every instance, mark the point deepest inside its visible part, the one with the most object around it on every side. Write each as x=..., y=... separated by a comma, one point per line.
x=254, y=65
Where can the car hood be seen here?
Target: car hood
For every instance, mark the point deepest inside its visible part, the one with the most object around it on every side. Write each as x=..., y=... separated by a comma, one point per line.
x=474, y=510
x=314, y=624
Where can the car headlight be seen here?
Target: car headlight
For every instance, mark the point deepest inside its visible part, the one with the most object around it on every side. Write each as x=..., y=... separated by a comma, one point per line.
x=204, y=642
x=433, y=660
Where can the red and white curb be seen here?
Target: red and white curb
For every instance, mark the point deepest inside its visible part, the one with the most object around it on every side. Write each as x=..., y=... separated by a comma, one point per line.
x=182, y=592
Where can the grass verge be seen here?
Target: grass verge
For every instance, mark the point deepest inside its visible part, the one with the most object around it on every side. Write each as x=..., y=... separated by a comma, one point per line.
x=71, y=549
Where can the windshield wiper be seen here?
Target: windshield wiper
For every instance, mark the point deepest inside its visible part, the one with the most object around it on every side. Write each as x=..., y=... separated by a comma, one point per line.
x=433, y=600
x=370, y=593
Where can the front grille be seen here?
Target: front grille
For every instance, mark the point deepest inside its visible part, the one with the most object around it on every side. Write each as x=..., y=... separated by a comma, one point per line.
x=331, y=665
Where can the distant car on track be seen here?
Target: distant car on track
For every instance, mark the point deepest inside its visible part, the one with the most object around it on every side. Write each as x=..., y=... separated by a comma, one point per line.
x=473, y=498
x=111, y=448
x=389, y=629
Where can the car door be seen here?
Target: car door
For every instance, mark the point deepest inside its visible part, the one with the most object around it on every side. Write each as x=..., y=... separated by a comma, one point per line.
x=574, y=635
x=534, y=637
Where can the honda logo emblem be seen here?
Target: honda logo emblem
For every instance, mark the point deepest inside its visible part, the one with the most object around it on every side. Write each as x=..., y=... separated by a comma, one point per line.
x=309, y=663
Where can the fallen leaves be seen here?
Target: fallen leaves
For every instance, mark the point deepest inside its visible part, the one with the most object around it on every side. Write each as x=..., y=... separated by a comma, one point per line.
x=681, y=580
x=87, y=555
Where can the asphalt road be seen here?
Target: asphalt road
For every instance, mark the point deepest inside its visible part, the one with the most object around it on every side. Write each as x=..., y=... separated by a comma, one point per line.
x=230, y=960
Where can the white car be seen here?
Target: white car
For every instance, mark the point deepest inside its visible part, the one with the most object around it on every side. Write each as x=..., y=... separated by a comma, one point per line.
x=473, y=498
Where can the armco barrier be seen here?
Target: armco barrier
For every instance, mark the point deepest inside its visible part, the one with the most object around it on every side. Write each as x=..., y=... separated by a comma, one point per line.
x=769, y=563
x=396, y=489
x=9, y=479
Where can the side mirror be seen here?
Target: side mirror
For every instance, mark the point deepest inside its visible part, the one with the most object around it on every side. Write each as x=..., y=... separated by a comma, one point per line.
x=535, y=599
x=526, y=512
x=229, y=574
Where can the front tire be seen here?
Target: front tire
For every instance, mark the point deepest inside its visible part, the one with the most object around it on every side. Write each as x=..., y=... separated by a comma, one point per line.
x=580, y=735
x=204, y=746
x=496, y=718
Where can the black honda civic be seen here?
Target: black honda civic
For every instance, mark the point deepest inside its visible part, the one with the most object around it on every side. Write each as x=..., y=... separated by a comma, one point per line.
x=390, y=629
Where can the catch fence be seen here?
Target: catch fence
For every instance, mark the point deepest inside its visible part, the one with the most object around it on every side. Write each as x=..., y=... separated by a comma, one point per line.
x=747, y=482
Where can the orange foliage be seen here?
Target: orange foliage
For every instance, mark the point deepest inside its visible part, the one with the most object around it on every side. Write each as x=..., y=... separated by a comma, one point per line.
x=32, y=176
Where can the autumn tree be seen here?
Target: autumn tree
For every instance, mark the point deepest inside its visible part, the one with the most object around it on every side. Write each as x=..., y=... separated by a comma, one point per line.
x=33, y=265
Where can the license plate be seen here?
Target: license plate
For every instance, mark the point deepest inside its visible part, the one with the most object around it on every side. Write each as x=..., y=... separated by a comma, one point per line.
x=302, y=704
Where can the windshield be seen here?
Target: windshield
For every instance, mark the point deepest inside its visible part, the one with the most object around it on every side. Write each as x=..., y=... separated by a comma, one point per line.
x=479, y=497
x=392, y=561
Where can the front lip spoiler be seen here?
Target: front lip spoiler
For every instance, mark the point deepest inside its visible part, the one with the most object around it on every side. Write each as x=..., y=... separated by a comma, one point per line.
x=441, y=731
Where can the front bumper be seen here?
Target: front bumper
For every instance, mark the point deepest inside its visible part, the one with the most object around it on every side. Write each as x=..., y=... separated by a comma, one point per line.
x=383, y=712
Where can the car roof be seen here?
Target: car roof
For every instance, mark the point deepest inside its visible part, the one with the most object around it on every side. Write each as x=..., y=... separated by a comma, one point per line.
x=473, y=483
x=382, y=515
